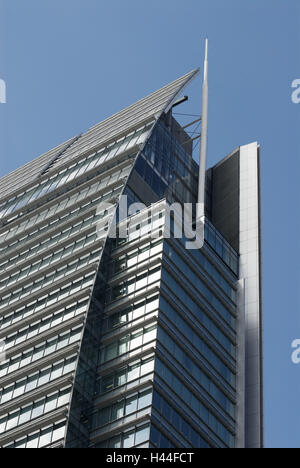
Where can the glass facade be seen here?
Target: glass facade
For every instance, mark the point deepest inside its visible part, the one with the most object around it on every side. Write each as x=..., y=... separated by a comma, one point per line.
x=50, y=251
x=136, y=437
x=74, y=171
x=167, y=167
x=43, y=438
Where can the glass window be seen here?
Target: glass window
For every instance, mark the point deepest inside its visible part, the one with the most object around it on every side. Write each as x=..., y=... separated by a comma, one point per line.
x=139, y=311
x=123, y=346
x=185, y=429
x=136, y=340
x=102, y=418
x=63, y=398
x=107, y=383
x=120, y=378
x=166, y=410
x=176, y=420
x=164, y=443
x=38, y=409
x=32, y=441
x=58, y=433
x=134, y=372
x=51, y=403
x=115, y=443
x=155, y=436
x=25, y=415
x=128, y=439
x=118, y=410
x=131, y=405
x=56, y=372
x=145, y=399
x=147, y=366
x=142, y=435
x=150, y=334
x=31, y=383
x=46, y=437
x=111, y=352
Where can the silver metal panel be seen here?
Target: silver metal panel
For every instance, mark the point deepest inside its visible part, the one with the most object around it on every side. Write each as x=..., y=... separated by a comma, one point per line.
x=241, y=361
x=250, y=271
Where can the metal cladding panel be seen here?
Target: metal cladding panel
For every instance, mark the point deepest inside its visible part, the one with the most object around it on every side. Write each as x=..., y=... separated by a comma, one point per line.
x=250, y=271
x=234, y=194
x=132, y=116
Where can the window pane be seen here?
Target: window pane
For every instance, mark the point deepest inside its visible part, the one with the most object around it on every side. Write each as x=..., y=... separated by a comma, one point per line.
x=117, y=411
x=134, y=372
x=131, y=405
x=145, y=399
x=142, y=435
x=58, y=433
x=128, y=440
x=115, y=442
x=45, y=438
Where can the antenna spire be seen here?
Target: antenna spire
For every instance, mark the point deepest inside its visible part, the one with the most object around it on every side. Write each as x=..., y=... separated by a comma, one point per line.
x=203, y=147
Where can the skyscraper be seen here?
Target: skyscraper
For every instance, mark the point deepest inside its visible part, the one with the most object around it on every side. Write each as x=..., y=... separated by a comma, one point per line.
x=131, y=341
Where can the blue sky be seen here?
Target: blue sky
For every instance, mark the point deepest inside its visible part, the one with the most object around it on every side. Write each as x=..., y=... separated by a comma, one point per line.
x=69, y=64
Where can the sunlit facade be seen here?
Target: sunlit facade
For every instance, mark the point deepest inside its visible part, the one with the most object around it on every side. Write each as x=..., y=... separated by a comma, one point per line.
x=136, y=341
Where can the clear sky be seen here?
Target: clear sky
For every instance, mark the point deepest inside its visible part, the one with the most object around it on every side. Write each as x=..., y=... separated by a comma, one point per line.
x=69, y=64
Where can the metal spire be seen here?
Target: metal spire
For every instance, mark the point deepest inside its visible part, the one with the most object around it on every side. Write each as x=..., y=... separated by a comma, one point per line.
x=203, y=147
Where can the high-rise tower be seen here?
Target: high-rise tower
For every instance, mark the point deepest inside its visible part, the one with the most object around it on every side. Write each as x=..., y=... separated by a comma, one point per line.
x=136, y=341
